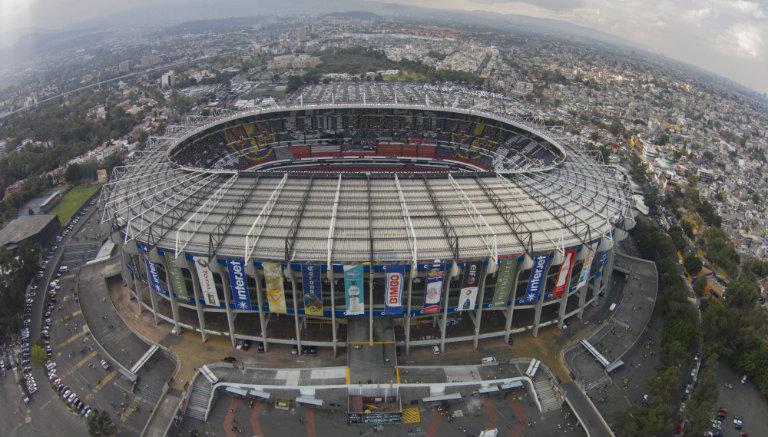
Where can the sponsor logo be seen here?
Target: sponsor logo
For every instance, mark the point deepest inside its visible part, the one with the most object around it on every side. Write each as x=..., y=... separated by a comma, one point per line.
x=206, y=272
x=393, y=293
x=541, y=261
x=238, y=282
x=153, y=273
x=472, y=274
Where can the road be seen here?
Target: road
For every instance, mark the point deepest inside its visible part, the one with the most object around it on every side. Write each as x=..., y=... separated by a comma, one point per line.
x=590, y=418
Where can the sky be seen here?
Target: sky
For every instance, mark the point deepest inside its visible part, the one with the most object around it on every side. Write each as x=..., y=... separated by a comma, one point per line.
x=728, y=37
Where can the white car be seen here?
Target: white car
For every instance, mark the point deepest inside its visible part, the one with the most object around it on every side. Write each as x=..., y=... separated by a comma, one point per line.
x=436, y=350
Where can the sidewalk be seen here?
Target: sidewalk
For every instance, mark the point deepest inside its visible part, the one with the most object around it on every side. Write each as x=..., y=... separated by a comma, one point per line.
x=192, y=353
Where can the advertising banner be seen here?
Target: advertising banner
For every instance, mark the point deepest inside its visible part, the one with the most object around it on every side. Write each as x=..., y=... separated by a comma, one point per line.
x=537, y=280
x=434, y=289
x=584, y=274
x=154, y=277
x=177, y=278
x=354, y=290
x=312, y=286
x=564, y=276
x=238, y=284
x=504, y=282
x=469, y=286
x=603, y=260
x=393, y=297
x=273, y=276
x=207, y=286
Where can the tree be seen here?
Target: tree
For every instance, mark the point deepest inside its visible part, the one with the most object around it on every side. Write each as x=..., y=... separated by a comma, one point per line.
x=678, y=237
x=73, y=174
x=100, y=424
x=699, y=411
x=699, y=284
x=692, y=263
x=742, y=292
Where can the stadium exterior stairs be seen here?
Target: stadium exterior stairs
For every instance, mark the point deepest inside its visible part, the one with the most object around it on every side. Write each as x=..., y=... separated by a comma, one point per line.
x=548, y=397
x=198, y=400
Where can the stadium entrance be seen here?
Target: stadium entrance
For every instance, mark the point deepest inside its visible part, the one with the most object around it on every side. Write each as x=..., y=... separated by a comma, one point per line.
x=372, y=361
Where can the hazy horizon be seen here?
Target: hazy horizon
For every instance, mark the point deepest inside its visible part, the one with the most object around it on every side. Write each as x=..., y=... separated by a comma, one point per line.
x=729, y=38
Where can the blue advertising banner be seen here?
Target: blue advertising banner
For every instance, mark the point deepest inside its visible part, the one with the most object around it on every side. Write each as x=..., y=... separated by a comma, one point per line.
x=434, y=289
x=469, y=286
x=154, y=276
x=601, y=263
x=537, y=280
x=393, y=297
x=312, y=285
x=238, y=283
x=354, y=290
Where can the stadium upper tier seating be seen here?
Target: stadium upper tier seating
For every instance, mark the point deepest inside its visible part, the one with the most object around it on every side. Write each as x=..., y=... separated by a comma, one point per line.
x=256, y=140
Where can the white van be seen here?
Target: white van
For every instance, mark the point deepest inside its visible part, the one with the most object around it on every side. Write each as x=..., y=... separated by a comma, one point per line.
x=489, y=360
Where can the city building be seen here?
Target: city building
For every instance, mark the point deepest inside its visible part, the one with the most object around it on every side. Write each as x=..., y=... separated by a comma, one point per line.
x=124, y=67
x=38, y=229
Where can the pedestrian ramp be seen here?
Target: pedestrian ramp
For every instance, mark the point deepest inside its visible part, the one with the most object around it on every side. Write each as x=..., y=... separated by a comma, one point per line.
x=144, y=358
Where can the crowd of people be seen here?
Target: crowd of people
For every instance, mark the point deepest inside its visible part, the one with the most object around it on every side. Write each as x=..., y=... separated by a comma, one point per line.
x=250, y=141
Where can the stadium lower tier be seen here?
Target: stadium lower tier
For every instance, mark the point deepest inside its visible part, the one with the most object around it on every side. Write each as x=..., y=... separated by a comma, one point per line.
x=306, y=304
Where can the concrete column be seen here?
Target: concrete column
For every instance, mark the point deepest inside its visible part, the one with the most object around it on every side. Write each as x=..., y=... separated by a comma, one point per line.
x=511, y=308
x=174, y=304
x=291, y=276
x=251, y=270
x=481, y=296
x=582, y=299
x=448, y=276
x=130, y=250
x=608, y=272
x=115, y=237
x=413, y=274
x=152, y=293
x=370, y=305
x=333, y=307
x=214, y=266
x=181, y=261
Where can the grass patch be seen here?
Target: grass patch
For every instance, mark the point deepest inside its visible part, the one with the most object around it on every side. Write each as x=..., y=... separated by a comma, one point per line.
x=406, y=76
x=73, y=200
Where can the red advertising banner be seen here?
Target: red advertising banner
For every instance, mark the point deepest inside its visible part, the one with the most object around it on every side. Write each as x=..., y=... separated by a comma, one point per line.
x=564, y=277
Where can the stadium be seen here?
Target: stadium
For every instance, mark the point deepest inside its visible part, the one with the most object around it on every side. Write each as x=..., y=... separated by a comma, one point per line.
x=440, y=212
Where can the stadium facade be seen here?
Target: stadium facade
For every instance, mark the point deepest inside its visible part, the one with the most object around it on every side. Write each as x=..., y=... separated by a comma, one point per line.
x=433, y=208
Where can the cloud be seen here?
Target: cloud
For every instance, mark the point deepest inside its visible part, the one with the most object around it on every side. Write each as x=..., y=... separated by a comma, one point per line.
x=741, y=40
x=554, y=5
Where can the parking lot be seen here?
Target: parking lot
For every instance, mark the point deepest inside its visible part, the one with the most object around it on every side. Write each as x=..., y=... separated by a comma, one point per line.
x=28, y=391
x=743, y=400
x=79, y=360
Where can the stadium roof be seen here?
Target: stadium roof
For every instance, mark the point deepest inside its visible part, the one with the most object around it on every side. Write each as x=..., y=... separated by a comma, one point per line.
x=337, y=218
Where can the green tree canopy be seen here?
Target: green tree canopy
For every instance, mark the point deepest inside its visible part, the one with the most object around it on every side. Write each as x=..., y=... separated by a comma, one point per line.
x=100, y=424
